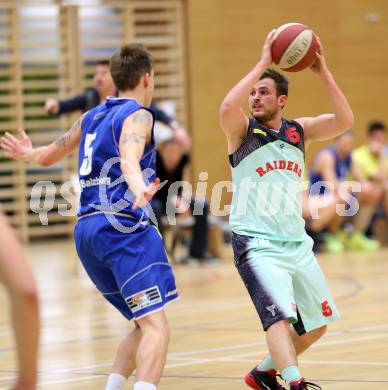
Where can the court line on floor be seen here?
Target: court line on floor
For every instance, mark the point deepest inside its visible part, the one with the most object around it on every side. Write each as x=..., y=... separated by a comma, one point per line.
x=318, y=345
x=370, y=328
x=64, y=381
x=196, y=361
x=207, y=378
x=325, y=362
x=318, y=362
x=220, y=349
x=111, y=335
x=240, y=379
x=173, y=356
x=191, y=307
x=239, y=358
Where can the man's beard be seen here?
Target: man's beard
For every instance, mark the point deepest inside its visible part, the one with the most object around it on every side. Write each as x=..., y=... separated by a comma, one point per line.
x=264, y=117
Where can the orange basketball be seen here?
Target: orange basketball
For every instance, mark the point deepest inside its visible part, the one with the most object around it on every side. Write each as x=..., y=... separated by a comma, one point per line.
x=294, y=47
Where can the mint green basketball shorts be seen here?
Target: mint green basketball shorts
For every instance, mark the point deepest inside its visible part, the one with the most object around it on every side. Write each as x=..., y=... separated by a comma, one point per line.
x=284, y=281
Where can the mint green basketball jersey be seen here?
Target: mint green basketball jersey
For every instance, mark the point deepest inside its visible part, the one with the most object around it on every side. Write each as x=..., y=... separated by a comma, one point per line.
x=268, y=175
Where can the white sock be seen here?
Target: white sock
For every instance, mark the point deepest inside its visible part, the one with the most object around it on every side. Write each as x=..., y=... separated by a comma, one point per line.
x=144, y=386
x=116, y=382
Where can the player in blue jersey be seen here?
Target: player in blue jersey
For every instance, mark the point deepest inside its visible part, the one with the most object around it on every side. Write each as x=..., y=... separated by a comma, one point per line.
x=272, y=251
x=121, y=251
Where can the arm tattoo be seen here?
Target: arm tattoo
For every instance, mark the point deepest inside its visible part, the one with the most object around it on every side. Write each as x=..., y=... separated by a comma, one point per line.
x=134, y=137
x=142, y=116
x=63, y=140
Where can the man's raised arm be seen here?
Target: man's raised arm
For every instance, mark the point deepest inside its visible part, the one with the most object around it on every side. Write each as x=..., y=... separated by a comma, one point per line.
x=328, y=126
x=233, y=120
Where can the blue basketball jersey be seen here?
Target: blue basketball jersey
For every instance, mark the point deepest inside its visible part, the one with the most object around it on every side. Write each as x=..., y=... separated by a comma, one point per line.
x=342, y=168
x=103, y=187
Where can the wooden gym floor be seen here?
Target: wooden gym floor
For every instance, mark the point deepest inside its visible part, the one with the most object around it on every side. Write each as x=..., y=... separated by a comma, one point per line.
x=216, y=336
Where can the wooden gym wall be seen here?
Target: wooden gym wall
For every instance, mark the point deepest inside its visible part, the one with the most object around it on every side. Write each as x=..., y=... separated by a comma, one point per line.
x=49, y=50
x=225, y=41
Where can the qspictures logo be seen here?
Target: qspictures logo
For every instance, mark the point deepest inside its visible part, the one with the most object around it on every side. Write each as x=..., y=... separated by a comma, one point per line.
x=268, y=198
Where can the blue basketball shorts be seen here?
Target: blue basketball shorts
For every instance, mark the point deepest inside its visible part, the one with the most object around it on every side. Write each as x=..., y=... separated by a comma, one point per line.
x=131, y=270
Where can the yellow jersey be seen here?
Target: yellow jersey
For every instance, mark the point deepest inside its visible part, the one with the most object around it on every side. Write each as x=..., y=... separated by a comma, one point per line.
x=368, y=163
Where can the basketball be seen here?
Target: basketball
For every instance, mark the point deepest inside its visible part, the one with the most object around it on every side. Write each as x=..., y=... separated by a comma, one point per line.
x=294, y=47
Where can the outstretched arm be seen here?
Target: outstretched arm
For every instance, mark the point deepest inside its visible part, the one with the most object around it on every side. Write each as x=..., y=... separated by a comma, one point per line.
x=20, y=148
x=233, y=120
x=328, y=126
x=75, y=103
x=135, y=134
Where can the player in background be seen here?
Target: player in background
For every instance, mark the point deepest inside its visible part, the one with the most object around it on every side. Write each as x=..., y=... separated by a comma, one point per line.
x=334, y=165
x=273, y=253
x=103, y=86
x=17, y=278
x=121, y=251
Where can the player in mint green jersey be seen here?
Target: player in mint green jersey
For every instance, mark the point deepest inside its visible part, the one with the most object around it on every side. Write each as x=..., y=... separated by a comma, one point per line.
x=273, y=253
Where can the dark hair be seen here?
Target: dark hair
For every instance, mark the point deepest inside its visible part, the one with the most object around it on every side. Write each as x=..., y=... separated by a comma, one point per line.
x=376, y=126
x=128, y=65
x=280, y=81
x=103, y=62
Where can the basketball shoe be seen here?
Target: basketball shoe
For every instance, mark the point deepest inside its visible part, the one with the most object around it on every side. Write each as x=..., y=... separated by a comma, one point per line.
x=303, y=385
x=263, y=380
